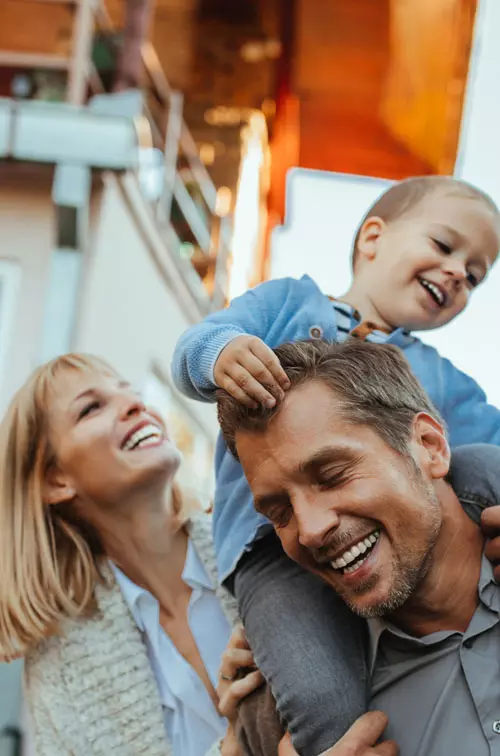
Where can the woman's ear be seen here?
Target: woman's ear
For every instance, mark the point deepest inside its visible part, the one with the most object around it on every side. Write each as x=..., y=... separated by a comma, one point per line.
x=369, y=234
x=56, y=488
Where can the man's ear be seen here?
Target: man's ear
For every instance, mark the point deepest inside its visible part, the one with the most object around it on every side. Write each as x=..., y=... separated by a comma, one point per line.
x=56, y=488
x=370, y=232
x=432, y=444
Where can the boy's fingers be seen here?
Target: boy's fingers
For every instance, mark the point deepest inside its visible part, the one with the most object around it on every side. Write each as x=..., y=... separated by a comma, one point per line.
x=251, y=387
x=260, y=372
x=232, y=388
x=271, y=362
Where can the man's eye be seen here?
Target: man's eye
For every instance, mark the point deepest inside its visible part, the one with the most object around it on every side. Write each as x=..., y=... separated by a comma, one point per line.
x=279, y=517
x=443, y=247
x=90, y=407
x=331, y=481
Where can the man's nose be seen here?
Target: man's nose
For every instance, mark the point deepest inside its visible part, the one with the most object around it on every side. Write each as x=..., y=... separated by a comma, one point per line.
x=314, y=524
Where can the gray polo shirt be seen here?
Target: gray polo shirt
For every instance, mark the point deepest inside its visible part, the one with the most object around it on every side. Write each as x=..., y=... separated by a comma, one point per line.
x=442, y=692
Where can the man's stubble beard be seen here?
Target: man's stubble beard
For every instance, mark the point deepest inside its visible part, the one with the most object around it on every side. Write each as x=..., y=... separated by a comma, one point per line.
x=408, y=575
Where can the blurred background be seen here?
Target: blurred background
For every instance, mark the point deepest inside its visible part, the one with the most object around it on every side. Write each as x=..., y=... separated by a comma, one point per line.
x=158, y=158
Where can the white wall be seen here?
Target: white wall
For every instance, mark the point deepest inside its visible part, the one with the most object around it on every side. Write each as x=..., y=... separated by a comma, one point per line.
x=27, y=238
x=323, y=211
x=128, y=314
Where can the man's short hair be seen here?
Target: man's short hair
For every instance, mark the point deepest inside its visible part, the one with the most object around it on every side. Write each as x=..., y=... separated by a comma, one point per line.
x=373, y=384
x=403, y=196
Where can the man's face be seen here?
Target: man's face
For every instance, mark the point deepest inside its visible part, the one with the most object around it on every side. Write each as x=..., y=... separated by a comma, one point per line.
x=345, y=505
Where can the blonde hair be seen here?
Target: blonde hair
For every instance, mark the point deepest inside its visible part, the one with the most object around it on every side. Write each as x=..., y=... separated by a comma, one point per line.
x=50, y=560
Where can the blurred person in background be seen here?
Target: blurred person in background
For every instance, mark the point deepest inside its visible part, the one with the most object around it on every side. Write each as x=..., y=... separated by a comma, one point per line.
x=107, y=576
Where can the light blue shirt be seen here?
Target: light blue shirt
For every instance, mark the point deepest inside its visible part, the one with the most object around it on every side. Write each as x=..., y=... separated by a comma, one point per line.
x=288, y=309
x=191, y=721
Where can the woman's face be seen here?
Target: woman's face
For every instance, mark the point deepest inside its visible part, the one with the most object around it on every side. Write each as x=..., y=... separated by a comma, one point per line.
x=107, y=445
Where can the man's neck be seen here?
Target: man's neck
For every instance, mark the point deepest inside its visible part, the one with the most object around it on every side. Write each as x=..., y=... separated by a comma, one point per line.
x=447, y=597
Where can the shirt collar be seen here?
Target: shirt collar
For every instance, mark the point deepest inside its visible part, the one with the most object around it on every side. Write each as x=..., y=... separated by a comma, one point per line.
x=194, y=574
x=132, y=594
x=399, y=336
x=489, y=595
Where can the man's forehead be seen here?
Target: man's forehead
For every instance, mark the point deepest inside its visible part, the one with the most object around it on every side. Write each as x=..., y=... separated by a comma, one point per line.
x=308, y=430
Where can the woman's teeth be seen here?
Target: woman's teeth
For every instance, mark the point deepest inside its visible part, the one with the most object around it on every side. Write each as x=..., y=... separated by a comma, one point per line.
x=351, y=559
x=434, y=290
x=139, y=438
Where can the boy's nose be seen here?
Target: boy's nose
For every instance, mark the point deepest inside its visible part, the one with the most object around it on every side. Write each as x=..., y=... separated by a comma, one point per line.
x=455, y=269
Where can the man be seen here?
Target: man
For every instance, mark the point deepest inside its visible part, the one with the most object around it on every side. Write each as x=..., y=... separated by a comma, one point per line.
x=351, y=468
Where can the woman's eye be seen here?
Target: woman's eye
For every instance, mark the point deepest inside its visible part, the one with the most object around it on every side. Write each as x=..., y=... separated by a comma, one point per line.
x=443, y=247
x=90, y=407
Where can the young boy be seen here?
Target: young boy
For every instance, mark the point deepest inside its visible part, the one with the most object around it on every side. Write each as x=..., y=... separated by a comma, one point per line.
x=420, y=251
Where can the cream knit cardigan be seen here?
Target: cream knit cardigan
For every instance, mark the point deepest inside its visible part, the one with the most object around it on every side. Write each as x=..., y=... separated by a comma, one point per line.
x=91, y=690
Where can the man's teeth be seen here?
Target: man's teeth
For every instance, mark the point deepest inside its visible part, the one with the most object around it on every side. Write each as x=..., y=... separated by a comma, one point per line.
x=434, y=290
x=138, y=438
x=355, y=552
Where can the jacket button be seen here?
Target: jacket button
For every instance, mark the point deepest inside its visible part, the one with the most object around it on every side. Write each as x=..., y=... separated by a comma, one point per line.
x=315, y=332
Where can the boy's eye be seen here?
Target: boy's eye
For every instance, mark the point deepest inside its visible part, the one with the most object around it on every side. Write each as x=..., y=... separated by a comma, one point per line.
x=90, y=407
x=472, y=279
x=443, y=247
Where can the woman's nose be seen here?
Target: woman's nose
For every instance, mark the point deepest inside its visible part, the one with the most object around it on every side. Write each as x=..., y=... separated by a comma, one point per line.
x=132, y=405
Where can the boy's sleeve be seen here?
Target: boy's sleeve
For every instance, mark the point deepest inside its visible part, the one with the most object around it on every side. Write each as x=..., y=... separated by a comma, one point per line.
x=470, y=419
x=197, y=351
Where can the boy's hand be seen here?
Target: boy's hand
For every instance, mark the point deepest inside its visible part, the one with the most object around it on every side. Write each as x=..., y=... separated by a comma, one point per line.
x=490, y=523
x=246, y=368
x=359, y=740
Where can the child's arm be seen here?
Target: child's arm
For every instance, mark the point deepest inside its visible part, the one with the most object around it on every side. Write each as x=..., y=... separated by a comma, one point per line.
x=470, y=419
x=247, y=365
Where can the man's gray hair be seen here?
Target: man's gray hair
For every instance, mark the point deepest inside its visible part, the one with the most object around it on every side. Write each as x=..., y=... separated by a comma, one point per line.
x=373, y=384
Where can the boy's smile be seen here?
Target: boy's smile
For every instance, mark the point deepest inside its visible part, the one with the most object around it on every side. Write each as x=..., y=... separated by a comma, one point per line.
x=418, y=271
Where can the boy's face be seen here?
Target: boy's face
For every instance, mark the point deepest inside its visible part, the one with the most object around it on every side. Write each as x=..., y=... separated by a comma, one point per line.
x=420, y=269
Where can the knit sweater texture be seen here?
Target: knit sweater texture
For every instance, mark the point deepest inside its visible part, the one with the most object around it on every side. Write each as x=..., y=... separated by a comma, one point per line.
x=91, y=689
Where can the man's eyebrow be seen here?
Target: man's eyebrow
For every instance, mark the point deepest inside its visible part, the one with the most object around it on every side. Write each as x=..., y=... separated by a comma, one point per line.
x=328, y=455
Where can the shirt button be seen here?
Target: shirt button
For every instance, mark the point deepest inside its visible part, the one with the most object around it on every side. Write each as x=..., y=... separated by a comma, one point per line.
x=315, y=332
x=496, y=726
x=468, y=643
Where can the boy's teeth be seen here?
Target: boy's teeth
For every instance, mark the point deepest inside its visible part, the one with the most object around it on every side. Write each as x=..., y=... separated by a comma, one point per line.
x=434, y=290
x=353, y=554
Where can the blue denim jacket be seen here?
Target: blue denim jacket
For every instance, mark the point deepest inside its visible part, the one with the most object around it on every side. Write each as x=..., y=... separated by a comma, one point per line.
x=290, y=309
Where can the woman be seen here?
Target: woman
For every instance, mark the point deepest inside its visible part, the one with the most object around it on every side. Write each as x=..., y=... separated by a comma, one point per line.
x=106, y=582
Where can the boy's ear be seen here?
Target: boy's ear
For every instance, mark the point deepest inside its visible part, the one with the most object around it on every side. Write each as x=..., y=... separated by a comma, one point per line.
x=370, y=232
x=56, y=488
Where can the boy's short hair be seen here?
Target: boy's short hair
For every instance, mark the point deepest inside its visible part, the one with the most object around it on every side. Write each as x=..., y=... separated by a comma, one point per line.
x=403, y=196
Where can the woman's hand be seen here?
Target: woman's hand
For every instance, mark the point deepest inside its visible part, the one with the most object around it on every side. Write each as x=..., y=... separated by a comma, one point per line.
x=360, y=740
x=238, y=678
x=238, y=675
